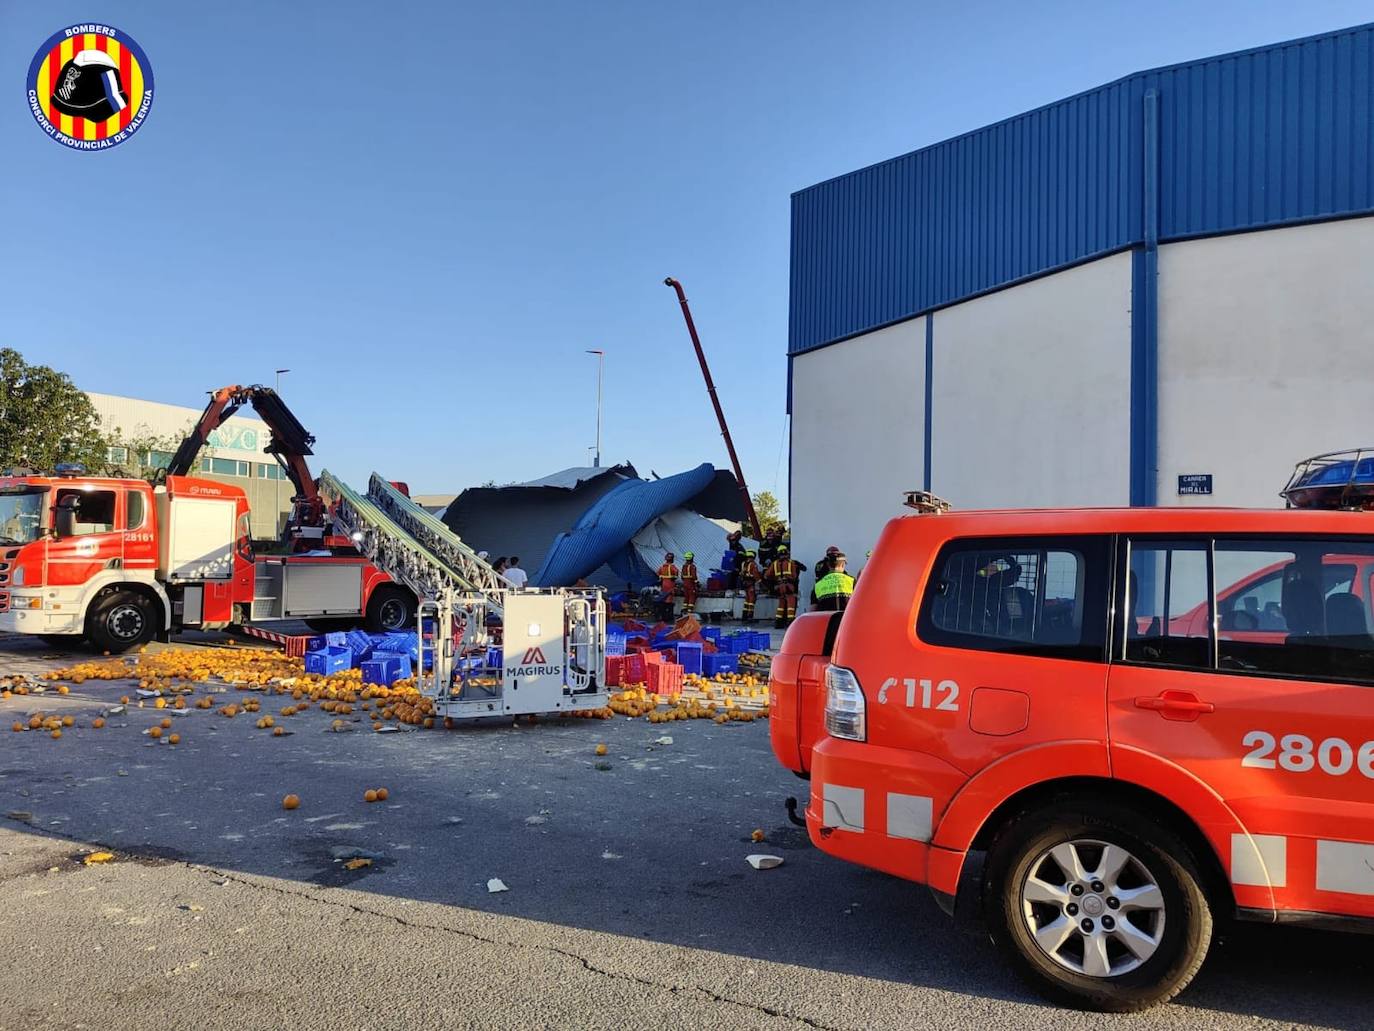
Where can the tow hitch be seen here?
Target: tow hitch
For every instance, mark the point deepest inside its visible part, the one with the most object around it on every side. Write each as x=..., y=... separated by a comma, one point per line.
x=791, y=805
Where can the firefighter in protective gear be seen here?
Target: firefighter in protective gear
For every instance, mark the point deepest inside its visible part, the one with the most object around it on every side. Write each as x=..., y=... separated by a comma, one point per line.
x=749, y=576
x=690, y=584
x=667, y=586
x=783, y=575
x=822, y=569
x=833, y=589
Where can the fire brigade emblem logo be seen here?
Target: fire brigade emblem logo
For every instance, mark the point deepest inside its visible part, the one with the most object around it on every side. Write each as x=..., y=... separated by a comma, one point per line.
x=90, y=87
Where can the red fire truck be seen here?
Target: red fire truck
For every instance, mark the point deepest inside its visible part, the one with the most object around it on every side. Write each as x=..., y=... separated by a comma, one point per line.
x=117, y=562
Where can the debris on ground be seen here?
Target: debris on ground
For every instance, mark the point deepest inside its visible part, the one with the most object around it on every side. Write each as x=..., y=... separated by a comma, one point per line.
x=496, y=884
x=98, y=857
x=763, y=862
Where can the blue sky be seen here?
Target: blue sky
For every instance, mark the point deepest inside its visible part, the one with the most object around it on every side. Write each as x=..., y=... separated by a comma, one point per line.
x=429, y=210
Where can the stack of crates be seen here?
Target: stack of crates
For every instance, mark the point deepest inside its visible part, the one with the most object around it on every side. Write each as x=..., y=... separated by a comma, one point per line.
x=360, y=644
x=616, y=638
x=665, y=678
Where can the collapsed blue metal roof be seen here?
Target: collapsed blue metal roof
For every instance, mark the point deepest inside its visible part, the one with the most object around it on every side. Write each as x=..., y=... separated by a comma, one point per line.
x=604, y=530
x=1276, y=135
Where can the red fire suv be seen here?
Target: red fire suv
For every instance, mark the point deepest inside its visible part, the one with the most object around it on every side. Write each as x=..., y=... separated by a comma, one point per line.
x=1099, y=731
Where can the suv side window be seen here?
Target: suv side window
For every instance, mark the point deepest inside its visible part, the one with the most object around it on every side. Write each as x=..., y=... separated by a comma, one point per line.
x=1269, y=606
x=1043, y=596
x=1325, y=624
x=1168, y=604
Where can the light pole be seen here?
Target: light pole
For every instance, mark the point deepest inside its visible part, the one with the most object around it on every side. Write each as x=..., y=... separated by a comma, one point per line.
x=600, y=367
x=277, y=516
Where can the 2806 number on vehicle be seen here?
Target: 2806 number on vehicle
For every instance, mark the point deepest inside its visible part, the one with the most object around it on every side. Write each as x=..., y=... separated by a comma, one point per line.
x=1297, y=753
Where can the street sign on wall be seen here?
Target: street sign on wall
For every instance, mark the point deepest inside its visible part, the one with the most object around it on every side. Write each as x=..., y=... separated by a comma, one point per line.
x=1195, y=483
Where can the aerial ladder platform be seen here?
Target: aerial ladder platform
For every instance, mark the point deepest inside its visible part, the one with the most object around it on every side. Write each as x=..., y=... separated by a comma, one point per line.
x=495, y=650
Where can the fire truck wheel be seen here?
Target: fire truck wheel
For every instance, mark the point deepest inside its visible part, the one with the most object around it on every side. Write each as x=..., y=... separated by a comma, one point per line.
x=389, y=609
x=1097, y=906
x=119, y=621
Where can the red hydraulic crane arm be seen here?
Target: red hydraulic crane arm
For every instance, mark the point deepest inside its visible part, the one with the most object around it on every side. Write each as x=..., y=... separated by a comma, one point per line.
x=290, y=442
x=715, y=403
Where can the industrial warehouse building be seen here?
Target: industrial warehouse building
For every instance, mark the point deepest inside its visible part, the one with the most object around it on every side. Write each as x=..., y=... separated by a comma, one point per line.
x=145, y=433
x=1155, y=287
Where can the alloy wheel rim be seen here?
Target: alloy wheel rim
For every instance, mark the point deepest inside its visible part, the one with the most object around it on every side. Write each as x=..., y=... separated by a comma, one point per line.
x=1092, y=907
x=125, y=622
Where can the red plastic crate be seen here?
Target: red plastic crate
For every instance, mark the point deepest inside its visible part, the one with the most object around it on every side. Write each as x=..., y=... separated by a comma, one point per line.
x=665, y=678
x=615, y=667
x=632, y=672
x=650, y=658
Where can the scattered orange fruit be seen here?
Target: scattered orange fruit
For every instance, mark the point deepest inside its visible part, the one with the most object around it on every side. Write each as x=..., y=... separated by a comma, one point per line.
x=67, y=721
x=63, y=689
x=98, y=722
x=17, y=727
x=155, y=732
x=278, y=731
x=123, y=699
x=382, y=794
x=56, y=734
x=600, y=749
x=757, y=835
x=159, y=702
x=166, y=724
x=174, y=739
x=290, y=802
x=369, y=795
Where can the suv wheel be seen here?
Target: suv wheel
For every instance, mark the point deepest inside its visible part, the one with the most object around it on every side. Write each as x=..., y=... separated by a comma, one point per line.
x=1098, y=907
x=119, y=621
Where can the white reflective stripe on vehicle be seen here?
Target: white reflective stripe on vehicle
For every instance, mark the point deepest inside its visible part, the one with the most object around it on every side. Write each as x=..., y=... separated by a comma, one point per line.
x=909, y=816
x=842, y=807
x=1259, y=859
x=1346, y=866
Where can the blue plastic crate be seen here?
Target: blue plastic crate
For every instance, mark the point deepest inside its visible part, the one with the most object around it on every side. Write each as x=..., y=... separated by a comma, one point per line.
x=736, y=644
x=336, y=639
x=327, y=660
x=760, y=640
x=360, y=644
x=710, y=633
x=727, y=561
x=688, y=656
x=616, y=636
x=314, y=644
x=493, y=659
x=720, y=663
x=383, y=669
x=402, y=660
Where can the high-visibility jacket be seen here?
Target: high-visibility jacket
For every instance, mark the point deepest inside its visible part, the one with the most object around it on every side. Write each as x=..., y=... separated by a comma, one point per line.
x=689, y=572
x=784, y=570
x=749, y=571
x=833, y=584
x=667, y=576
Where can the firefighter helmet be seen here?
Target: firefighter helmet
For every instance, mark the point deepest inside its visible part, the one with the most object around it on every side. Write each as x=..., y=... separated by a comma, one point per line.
x=89, y=86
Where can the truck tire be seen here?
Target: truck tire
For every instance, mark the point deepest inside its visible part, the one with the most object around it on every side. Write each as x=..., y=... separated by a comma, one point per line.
x=121, y=620
x=1097, y=907
x=390, y=608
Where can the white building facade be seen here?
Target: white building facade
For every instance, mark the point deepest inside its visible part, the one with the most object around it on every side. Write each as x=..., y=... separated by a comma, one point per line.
x=1150, y=290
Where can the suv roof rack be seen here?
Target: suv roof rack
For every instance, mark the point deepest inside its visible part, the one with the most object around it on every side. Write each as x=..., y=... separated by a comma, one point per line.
x=926, y=503
x=1335, y=480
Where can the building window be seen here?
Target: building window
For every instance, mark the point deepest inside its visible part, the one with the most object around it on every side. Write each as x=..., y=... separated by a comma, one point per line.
x=269, y=472
x=1031, y=596
x=157, y=459
x=117, y=455
x=228, y=467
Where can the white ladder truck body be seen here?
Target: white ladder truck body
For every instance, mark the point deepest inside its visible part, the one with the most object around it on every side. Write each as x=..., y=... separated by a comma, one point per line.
x=551, y=655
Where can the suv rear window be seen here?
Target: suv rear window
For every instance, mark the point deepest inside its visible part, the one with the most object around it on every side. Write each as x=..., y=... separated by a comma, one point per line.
x=1043, y=596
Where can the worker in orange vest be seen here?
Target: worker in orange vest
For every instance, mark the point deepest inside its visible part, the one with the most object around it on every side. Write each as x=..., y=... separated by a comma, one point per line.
x=749, y=576
x=667, y=585
x=690, y=584
x=784, y=575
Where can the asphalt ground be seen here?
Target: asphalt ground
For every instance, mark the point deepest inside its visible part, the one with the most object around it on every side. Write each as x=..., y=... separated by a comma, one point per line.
x=630, y=902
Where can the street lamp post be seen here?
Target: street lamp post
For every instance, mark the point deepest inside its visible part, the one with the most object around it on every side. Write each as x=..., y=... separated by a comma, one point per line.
x=278, y=490
x=600, y=368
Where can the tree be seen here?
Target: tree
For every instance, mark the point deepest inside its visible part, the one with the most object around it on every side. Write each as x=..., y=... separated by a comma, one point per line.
x=145, y=453
x=769, y=511
x=44, y=418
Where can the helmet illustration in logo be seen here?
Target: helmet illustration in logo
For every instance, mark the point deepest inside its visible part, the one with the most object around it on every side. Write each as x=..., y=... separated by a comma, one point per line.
x=89, y=86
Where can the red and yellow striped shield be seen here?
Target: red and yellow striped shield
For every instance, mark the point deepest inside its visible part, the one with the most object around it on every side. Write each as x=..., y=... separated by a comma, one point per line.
x=90, y=86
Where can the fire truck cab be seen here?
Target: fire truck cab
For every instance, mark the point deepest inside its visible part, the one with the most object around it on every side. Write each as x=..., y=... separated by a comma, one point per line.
x=119, y=562
x=1099, y=732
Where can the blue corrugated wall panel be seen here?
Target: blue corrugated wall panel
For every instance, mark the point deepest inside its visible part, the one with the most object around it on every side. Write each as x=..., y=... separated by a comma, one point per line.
x=1269, y=136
